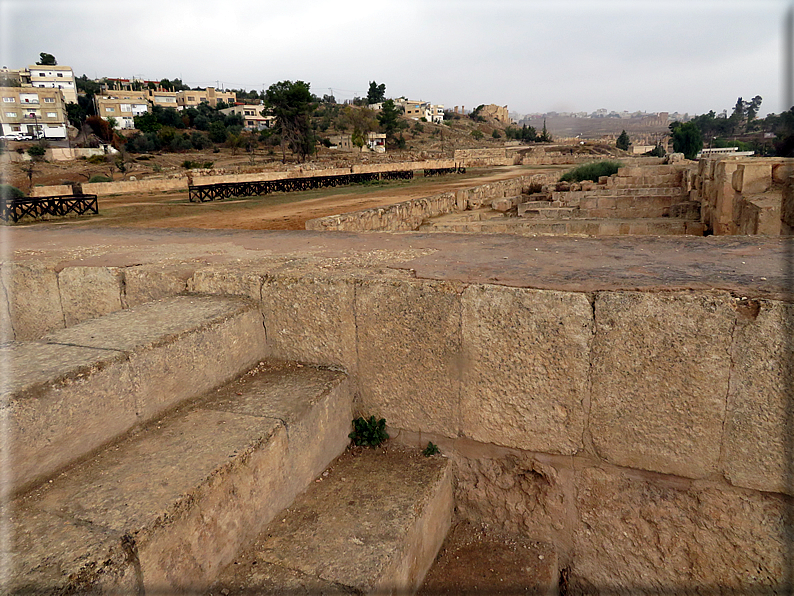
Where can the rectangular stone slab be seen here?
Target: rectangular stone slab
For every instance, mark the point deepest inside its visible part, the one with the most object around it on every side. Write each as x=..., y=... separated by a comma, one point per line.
x=373, y=524
x=81, y=387
x=167, y=507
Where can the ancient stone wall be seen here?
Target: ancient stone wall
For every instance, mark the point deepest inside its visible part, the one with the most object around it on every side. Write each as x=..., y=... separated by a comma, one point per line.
x=742, y=195
x=409, y=215
x=645, y=434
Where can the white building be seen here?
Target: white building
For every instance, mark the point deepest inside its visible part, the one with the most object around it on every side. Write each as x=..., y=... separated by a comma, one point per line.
x=54, y=77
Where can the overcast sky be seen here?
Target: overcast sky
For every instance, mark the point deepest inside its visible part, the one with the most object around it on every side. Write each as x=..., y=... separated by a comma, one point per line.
x=531, y=55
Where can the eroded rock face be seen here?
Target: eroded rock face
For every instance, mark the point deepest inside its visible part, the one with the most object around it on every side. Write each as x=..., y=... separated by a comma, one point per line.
x=515, y=494
x=640, y=536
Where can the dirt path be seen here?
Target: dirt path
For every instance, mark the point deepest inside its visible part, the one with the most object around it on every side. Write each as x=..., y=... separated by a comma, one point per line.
x=280, y=211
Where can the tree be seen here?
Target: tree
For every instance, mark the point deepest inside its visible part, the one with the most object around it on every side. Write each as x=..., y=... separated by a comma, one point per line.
x=544, y=137
x=47, y=60
x=623, y=141
x=686, y=139
x=389, y=119
x=292, y=106
x=376, y=93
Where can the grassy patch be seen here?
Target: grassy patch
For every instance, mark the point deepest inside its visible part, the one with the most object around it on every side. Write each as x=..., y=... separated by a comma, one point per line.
x=591, y=171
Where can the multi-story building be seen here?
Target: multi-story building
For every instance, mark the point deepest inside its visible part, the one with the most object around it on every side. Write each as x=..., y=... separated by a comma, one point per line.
x=252, y=116
x=193, y=97
x=417, y=110
x=33, y=112
x=160, y=97
x=122, y=106
x=53, y=77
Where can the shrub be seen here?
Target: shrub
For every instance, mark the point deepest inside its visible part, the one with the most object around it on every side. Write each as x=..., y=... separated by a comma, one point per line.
x=495, y=134
x=431, y=449
x=36, y=151
x=369, y=433
x=477, y=134
x=98, y=178
x=591, y=171
x=96, y=159
x=10, y=192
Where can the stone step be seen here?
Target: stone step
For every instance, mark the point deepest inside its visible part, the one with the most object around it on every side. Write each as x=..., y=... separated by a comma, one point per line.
x=80, y=387
x=660, y=226
x=569, y=196
x=549, y=212
x=475, y=560
x=648, y=180
x=165, y=508
x=371, y=524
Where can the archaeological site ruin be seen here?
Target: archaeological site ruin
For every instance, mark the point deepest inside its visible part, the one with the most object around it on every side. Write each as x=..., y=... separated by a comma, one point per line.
x=605, y=368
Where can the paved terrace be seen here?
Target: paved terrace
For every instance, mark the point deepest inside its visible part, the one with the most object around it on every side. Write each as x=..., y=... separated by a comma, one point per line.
x=747, y=266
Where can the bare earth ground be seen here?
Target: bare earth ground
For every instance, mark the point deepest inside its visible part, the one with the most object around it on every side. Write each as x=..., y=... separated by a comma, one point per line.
x=279, y=211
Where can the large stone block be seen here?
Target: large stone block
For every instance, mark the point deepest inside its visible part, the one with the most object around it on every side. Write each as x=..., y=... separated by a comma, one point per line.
x=90, y=292
x=752, y=178
x=145, y=283
x=235, y=281
x=34, y=301
x=311, y=319
x=409, y=353
x=660, y=369
x=759, y=430
x=645, y=536
x=526, y=365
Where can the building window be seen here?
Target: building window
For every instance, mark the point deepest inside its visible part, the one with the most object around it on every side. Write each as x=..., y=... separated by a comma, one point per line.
x=16, y=128
x=52, y=115
x=9, y=100
x=11, y=114
x=110, y=109
x=49, y=100
x=60, y=74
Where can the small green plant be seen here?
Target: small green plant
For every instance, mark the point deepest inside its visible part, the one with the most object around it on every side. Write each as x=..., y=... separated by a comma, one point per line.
x=477, y=134
x=369, y=433
x=98, y=178
x=431, y=449
x=95, y=159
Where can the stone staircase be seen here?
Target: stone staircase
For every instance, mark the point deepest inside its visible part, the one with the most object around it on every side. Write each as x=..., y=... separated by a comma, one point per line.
x=151, y=448
x=647, y=200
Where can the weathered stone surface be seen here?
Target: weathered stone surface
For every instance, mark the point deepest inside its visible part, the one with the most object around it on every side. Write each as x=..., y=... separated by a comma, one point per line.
x=526, y=365
x=235, y=281
x=752, y=178
x=187, y=506
x=642, y=536
x=94, y=381
x=90, y=292
x=145, y=283
x=311, y=318
x=34, y=299
x=409, y=353
x=373, y=524
x=759, y=433
x=660, y=365
x=514, y=493
x=6, y=326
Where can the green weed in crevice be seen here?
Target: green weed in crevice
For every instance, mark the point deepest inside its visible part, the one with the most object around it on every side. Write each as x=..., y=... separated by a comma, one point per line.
x=369, y=433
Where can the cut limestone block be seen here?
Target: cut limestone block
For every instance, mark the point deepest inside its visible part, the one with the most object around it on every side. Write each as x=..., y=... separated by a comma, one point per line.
x=371, y=524
x=80, y=387
x=164, y=509
x=758, y=431
x=660, y=370
x=526, y=367
x=409, y=353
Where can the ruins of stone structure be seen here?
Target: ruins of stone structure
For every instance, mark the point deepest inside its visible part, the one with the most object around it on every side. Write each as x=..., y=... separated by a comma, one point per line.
x=176, y=402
